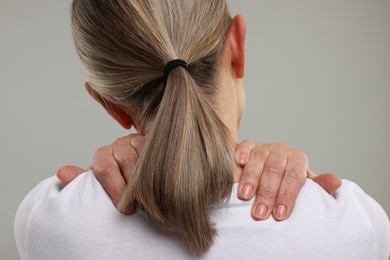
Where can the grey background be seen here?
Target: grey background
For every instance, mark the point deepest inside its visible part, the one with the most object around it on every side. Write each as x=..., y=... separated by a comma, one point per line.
x=317, y=79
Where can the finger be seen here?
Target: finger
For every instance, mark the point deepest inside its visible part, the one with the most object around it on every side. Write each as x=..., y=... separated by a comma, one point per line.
x=293, y=180
x=137, y=141
x=243, y=151
x=125, y=154
x=107, y=171
x=271, y=177
x=68, y=173
x=329, y=182
x=251, y=172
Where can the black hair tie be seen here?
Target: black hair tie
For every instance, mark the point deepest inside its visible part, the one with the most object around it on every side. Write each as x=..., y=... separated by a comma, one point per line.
x=173, y=64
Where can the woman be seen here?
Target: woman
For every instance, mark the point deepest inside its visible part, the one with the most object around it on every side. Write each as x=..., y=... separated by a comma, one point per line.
x=173, y=69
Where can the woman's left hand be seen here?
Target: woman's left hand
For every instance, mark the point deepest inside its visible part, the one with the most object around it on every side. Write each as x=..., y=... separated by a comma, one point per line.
x=275, y=174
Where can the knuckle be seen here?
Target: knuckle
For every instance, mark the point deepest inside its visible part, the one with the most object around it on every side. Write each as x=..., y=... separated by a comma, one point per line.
x=251, y=173
x=121, y=140
x=295, y=174
x=259, y=153
x=267, y=194
x=131, y=159
x=246, y=145
x=137, y=140
x=299, y=155
x=127, y=158
x=107, y=171
x=286, y=198
x=246, y=142
x=279, y=147
x=102, y=151
x=274, y=167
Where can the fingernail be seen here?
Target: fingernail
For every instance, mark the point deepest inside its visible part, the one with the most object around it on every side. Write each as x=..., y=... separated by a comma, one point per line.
x=247, y=191
x=261, y=211
x=281, y=211
x=242, y=158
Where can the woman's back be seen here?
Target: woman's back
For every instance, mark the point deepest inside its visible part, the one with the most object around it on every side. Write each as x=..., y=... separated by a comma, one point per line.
x=79, y=221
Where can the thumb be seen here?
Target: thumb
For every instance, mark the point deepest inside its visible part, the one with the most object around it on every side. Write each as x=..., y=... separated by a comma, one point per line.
x=329, y=182
x=68, y=173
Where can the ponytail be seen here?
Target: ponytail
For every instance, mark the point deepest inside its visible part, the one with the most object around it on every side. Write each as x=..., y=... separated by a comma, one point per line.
x=186, y=164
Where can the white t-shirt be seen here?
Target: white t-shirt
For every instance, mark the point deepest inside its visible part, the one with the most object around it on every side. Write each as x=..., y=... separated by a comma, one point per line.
x=79, y=221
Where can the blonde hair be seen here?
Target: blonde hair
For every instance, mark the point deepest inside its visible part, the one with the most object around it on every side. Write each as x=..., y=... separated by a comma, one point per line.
x=187, y=163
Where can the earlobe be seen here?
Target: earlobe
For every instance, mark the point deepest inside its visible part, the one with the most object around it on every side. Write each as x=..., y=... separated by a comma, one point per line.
x=115, y=110
x=237, y=37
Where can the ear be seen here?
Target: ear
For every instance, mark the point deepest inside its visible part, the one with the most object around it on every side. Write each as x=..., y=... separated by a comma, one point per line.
x=237, y=37
x=115, y=110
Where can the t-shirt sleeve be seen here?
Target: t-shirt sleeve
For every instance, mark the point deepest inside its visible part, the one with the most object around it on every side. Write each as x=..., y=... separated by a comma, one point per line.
x=380, y=225
x=24, y=212
x=382, y=229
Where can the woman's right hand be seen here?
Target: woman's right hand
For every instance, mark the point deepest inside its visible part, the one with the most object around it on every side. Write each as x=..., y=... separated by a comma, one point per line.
x=112, y=165
x=275, y=172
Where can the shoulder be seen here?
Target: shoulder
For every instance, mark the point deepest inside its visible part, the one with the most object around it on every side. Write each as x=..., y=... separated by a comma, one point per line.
x=50, y=208
x=349, y=198
x=352, y=211
x=348, y=224
x=373, y=217
x=25, y=210
x=52, y=194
